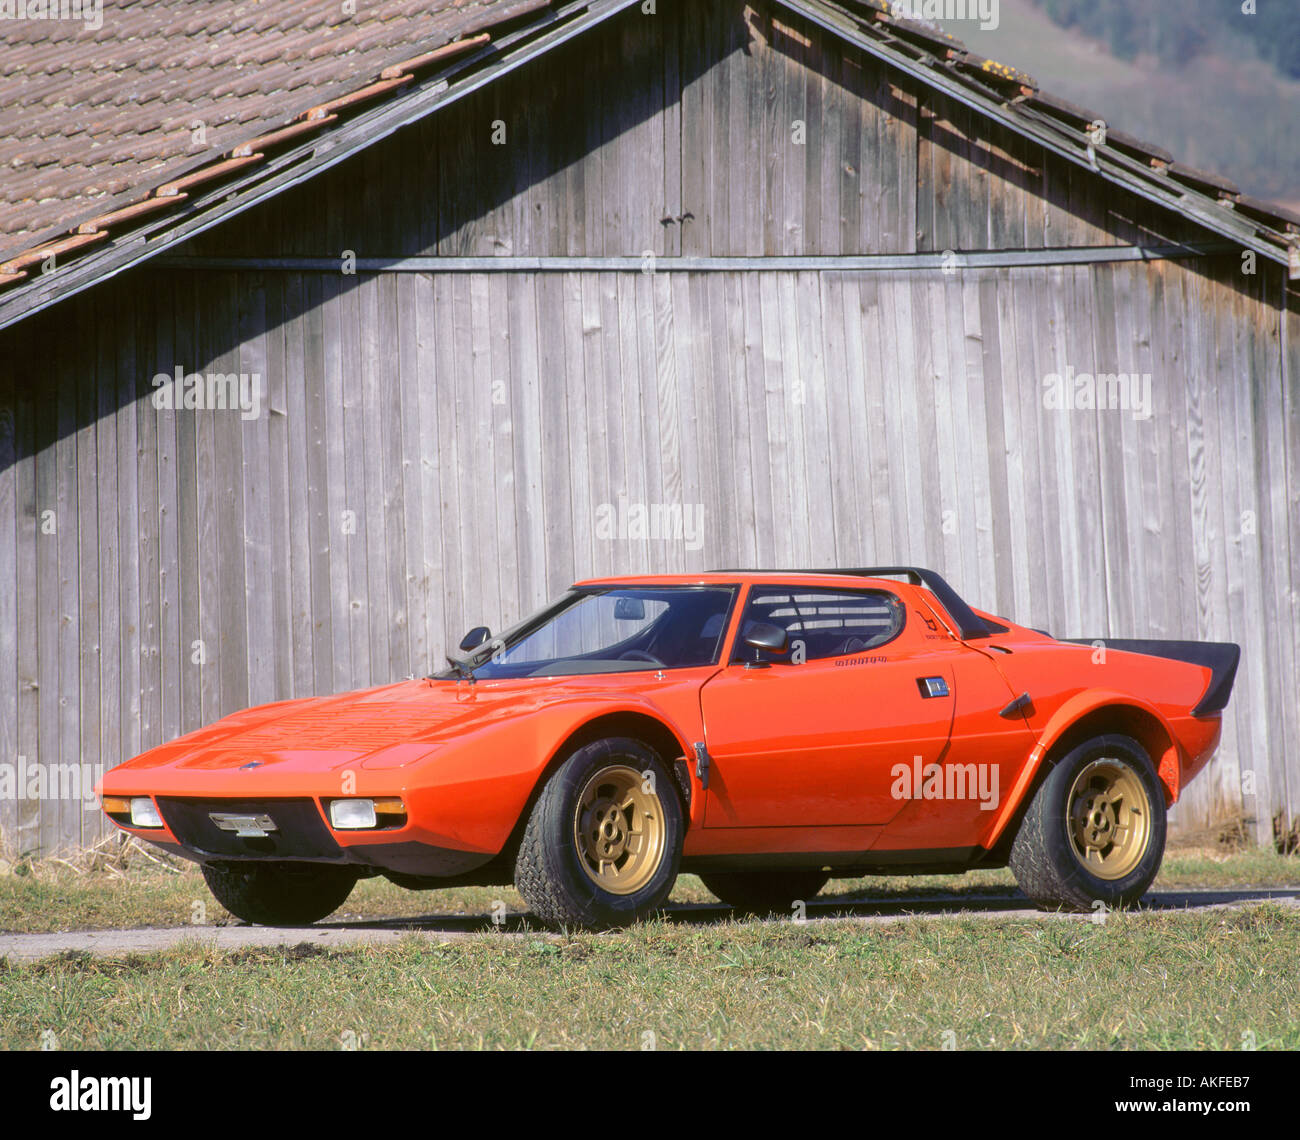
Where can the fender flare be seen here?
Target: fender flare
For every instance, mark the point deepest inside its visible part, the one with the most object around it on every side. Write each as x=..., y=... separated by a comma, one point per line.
x=1070, y=713
x=574, y=719
x=581, y=714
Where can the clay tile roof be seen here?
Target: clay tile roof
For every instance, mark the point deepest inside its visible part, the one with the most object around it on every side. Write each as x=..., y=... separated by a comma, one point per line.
x=93, y=119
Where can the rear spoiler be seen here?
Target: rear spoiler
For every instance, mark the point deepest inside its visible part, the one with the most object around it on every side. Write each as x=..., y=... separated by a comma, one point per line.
x=1220, y=657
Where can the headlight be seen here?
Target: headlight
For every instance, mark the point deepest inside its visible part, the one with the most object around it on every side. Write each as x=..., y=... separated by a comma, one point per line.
x=346, y=814
x=363, y=815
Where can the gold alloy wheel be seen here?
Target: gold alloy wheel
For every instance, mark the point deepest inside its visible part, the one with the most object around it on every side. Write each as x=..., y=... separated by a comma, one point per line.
x=1109, y=817
x=619, y=829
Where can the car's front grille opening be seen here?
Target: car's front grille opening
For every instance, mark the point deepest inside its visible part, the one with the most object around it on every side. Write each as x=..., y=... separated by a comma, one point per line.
x=274, y=828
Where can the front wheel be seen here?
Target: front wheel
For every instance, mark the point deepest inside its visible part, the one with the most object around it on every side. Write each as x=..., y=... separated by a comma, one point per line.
x=1095, y=830
x=279, y=894
x=764, y=892
x=604, y=840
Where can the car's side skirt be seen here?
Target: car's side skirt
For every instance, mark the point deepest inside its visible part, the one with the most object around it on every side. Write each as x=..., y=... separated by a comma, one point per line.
x=846, y=864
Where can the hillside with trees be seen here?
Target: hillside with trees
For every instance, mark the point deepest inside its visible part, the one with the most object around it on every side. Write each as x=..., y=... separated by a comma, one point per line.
x=1216, y=85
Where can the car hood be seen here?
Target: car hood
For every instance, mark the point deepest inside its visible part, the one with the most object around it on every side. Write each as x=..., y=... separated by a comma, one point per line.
x=383, y=728
x=387, y=727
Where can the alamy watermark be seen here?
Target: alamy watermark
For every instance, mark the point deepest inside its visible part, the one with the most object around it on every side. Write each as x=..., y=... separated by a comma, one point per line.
x=211, y=391
x=89, y=12
x=940, y=12
x=36, y=781
x=661, y=522
x=921, y=781
x=75, y=1093
x=1101, y=391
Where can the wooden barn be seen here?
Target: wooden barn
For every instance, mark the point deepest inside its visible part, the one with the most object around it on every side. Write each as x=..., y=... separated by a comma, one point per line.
x=324, y=336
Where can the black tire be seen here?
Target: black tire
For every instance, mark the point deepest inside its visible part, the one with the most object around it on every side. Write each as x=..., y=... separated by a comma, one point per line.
x=765, y=892
x=279, y=894
x=553, y=869
x=1045, y=856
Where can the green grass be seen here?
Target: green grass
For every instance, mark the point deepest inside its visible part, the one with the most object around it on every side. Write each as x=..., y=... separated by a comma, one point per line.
x=54, y=896
x=1146, y=980
x=1140, y=981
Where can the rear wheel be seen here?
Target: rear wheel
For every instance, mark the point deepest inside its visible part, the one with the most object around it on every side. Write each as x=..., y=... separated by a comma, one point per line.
x=765, y=892
x=1095, y=830
x=279, y=894
x=604, y=840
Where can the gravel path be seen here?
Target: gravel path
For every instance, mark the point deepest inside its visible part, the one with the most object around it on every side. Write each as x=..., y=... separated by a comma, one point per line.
x=447, y=928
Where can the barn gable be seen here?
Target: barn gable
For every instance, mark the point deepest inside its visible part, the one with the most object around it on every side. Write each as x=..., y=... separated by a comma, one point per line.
x=703, y=131
x=843, y=350
x=494, y=39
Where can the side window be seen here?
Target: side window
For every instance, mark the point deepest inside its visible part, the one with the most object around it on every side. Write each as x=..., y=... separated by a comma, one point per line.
x=826, y=623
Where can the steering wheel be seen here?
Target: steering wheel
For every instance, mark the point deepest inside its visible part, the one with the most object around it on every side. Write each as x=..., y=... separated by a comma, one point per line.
x=640, y=655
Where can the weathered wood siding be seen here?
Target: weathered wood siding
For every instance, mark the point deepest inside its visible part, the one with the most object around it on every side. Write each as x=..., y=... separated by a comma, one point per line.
x=437, y=449
x=676, y=133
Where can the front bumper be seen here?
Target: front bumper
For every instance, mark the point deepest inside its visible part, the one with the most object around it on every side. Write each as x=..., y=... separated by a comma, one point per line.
x=300, y=834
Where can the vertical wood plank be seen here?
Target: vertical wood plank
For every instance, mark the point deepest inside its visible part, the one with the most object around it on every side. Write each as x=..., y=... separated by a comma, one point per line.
x=10, y=508
x=1035, y=363
x=409, y=382
x=79, y=823
x=1002, y=449
x=317, y=485
x=132, y=355
x=172, y=655
x=342, y=397
x=298, y=530
x=848, y=448
x=396, y=640
x=374, y=411
x=530, y=538
x=774, y=441
x=259, y=566
x=154, y=346
x=29, y=602
x=697, y=79
x=280, y=587
x=669, y=104
x=448, y=457
x=228, y=550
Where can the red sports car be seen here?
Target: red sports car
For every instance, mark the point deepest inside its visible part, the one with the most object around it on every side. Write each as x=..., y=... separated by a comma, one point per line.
x=766, y=730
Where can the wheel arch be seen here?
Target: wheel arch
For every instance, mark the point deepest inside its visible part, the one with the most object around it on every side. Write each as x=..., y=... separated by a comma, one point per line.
x=633, y=723
x=1085, y=717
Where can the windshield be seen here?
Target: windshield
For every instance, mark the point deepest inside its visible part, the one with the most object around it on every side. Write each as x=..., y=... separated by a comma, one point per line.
x=612, y=631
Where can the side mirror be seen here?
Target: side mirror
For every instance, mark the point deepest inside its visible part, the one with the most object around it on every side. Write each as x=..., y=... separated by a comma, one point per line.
x=762, y=638
x=476, y=637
